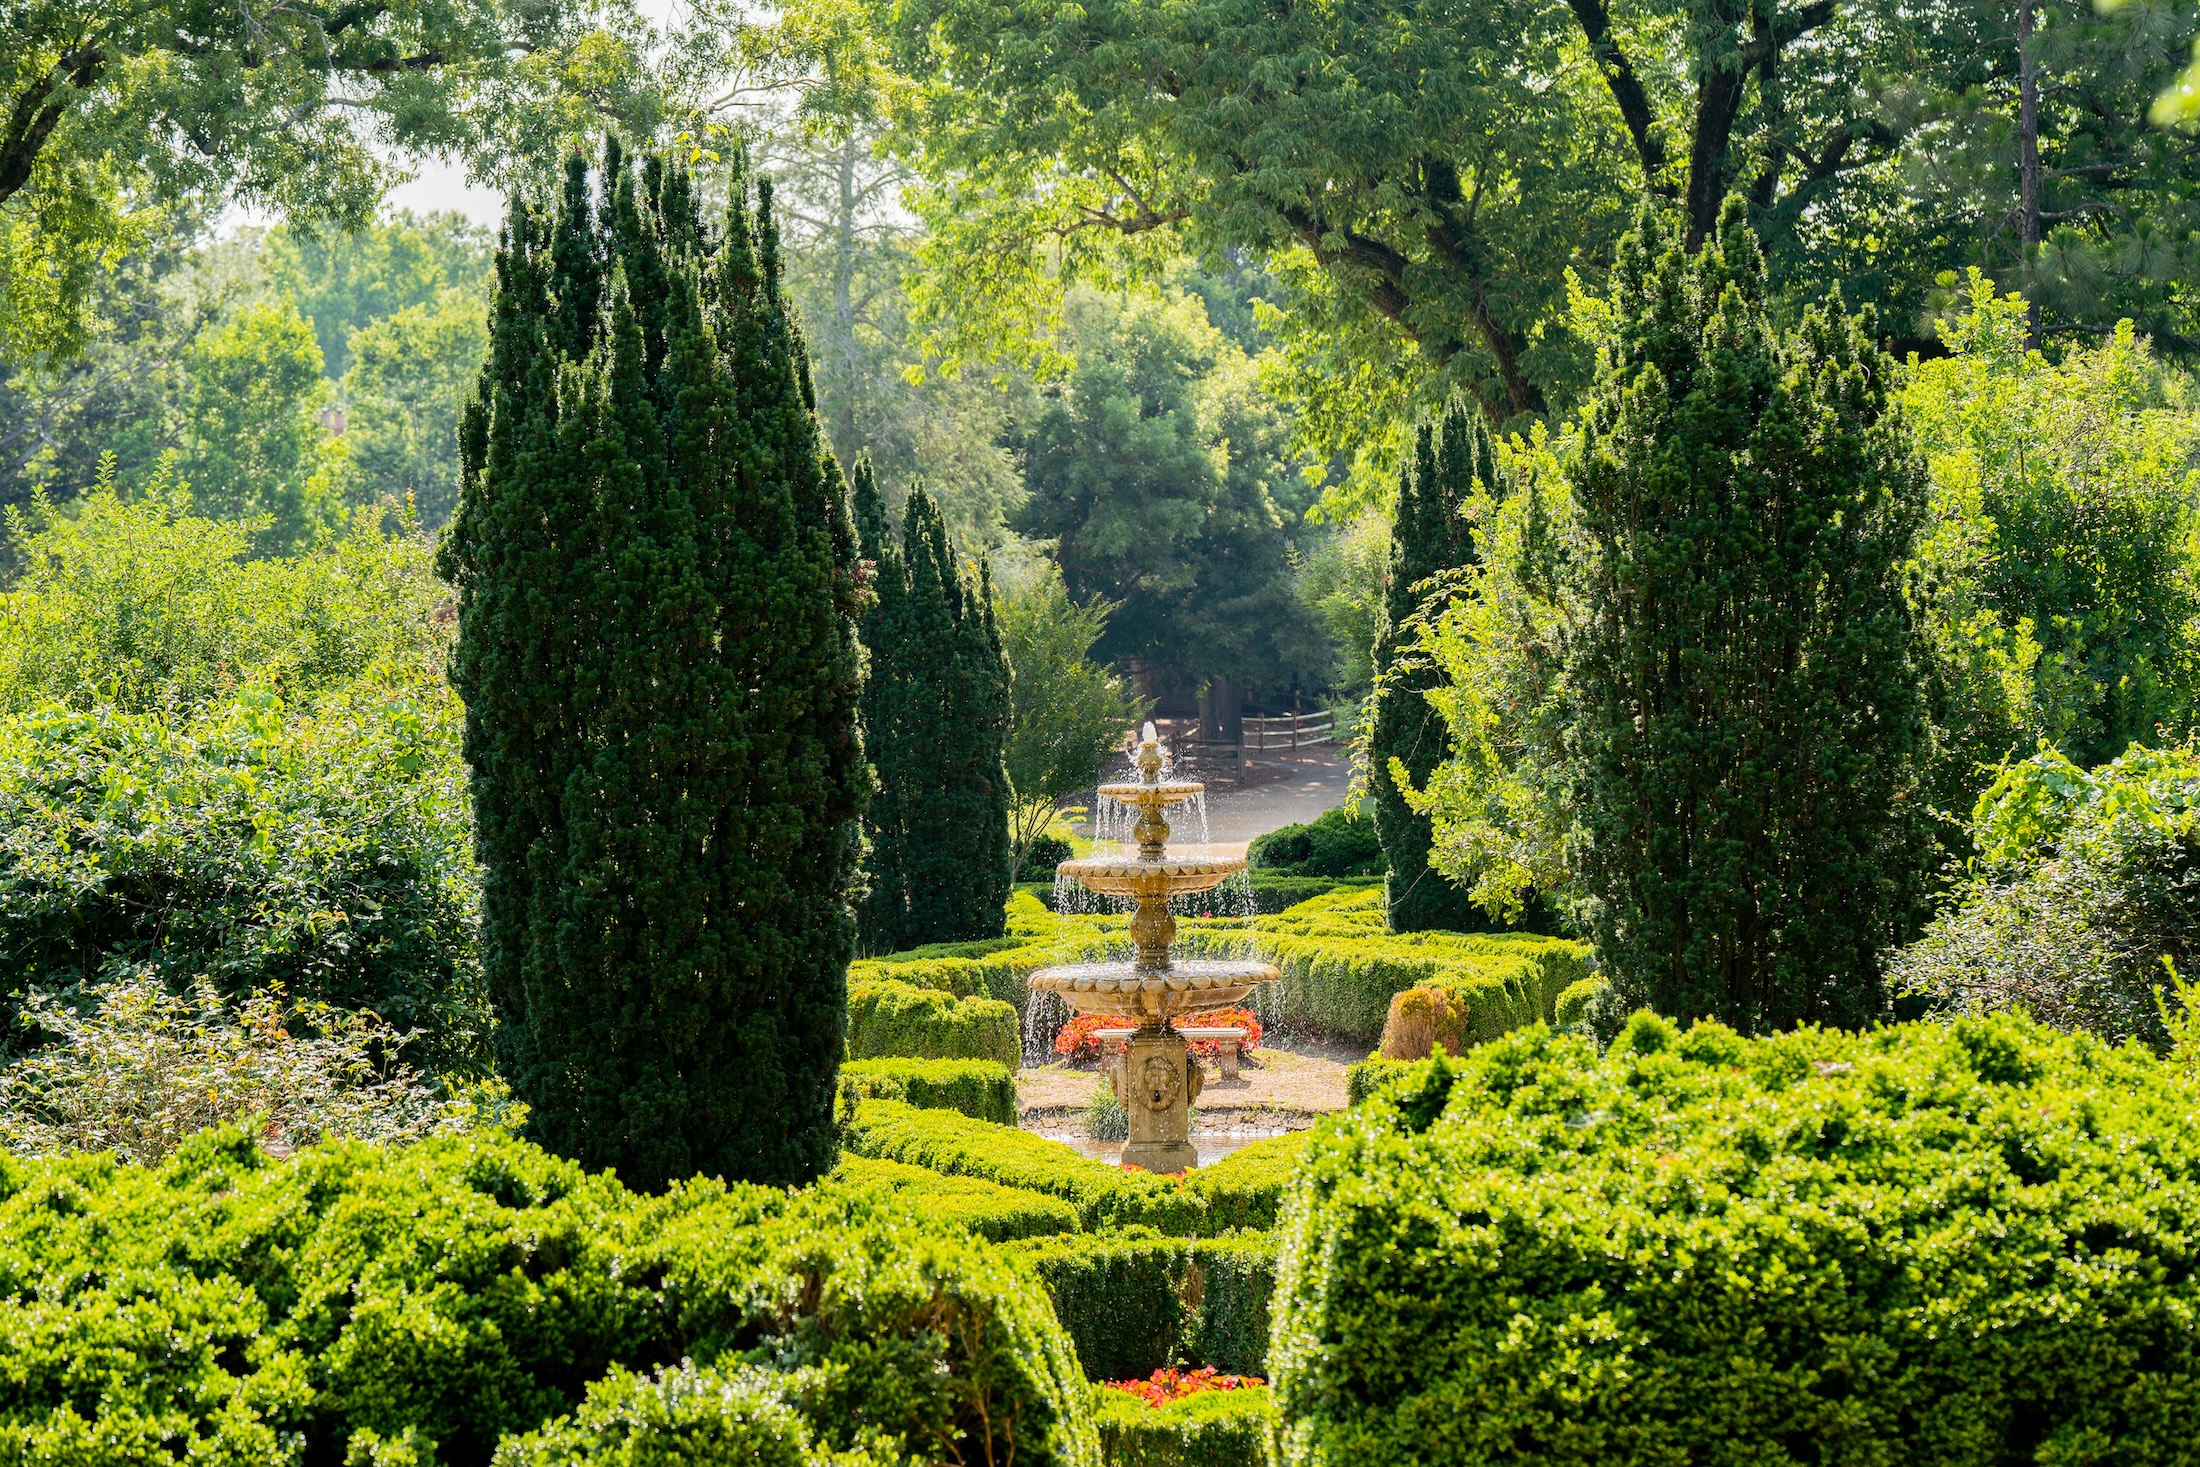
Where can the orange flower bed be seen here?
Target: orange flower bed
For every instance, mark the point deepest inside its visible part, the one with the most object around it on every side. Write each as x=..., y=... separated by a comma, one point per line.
x=1078, y=1042
x=1164, y=1386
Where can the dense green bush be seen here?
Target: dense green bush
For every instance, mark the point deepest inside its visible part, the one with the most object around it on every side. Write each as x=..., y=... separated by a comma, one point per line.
x=1367, y=1076
x=943, y=1141
x=679, y=1416
x=1340, y=968
x=1339, y=842
x=1045, y=852
x=980, y=1089
x=2084, y=882
x=1208, y=1429
x=255, y=844
x=142, y=606
x=1245, y=1189
x=456, y=1293
x=1134, y=1301
x=1961, y=1244
x=966, y=1204
x=891, y=1019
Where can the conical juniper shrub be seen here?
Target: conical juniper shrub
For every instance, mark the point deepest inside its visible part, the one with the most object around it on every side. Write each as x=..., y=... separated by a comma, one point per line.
x=1966, y=1244
x=937, y=694
x=656, y=581
x=1428, y=537
x=1747, y=722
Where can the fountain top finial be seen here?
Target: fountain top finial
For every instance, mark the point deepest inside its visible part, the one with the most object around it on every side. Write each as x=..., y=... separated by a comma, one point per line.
x=1149, y=756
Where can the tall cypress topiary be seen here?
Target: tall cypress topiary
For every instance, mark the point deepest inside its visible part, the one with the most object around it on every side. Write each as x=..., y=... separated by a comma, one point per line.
x=1429, y=536
x=936, y=704
x=882, y=918
x=1747, y=722
x=656, y=581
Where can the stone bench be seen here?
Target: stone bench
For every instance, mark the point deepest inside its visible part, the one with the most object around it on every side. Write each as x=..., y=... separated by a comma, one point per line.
x=1226, y=1043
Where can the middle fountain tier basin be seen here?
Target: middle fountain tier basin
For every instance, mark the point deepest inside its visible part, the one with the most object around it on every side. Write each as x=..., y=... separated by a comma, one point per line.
x=1187, y=986
x=1169, y=876
x=1159, y=795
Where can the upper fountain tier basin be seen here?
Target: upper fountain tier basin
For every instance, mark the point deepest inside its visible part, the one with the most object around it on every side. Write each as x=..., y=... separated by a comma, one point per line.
x=1159, y=795
x=1133, y=877
x=1188, y=986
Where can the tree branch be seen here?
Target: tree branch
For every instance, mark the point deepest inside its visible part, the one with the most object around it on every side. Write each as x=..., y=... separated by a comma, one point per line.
x=1626, y=88
x=39, y=110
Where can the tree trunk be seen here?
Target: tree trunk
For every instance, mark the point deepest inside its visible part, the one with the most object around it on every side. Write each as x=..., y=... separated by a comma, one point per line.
x=2028, y=170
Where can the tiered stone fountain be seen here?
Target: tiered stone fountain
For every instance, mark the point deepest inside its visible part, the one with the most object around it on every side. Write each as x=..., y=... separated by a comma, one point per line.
x=1155, y=1076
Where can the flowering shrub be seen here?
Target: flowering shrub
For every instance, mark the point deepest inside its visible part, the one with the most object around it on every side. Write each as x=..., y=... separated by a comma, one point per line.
x=1079, y=1040
x=149, y=1067
x=1166, y=1385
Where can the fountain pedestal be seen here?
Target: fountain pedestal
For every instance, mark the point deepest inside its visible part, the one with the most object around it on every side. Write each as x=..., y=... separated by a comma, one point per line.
x=1157, y=1080
x=1156, y=1077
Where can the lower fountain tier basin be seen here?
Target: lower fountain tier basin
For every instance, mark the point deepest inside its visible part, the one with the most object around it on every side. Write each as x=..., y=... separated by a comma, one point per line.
x=1189, y=986
x=1158, y=796
x=1169, y=876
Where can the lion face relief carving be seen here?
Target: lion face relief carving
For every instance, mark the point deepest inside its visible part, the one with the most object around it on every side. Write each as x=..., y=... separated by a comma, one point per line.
x=1160, y=1083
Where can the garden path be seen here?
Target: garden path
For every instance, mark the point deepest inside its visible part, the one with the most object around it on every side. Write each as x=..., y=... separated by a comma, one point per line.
x=1296, y=1079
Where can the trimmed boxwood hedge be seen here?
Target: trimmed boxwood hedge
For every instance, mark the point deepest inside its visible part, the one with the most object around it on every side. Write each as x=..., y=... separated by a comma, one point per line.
x=972, y=1205
x=429, y=1302
x=943, y=1141
x=981, y=1089
x=891, y=1019
x=1210, y=1429
x=1245, y=1189
x=1340, y=967
x=1976, y=1243
x=1134, y=1301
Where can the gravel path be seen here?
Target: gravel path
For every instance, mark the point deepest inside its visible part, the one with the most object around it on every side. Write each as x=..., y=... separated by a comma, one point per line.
x=1305, y=1080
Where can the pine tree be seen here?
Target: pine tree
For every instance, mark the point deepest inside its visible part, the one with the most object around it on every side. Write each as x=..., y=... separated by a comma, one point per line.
x=1428, y=537
x=1748, y=724
x=937, y=710
x=656, y=580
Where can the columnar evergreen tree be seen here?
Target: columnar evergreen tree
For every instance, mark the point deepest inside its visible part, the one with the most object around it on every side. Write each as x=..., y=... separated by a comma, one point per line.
x=1428, y=537
x=1748, y=724
x=882, y=918
x=937, y=704
x=656, y=591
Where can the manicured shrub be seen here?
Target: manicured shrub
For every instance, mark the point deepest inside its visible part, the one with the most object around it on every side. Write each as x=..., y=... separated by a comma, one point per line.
x=1119, y=1294
x=1959, y=1244
x=1368, y=1076
x=980, y=1089
x=892, y=1019
x=1273, y=893
x=1340, y=968
x=943, y=1141
x=997, y=975
x=935, y=718
x=1134, y=1301
x=1208, y=1429
x=657, y=582
x=1339, y=842
x=452, y=1294
x=965, y=1204
x=678, y=1416
x=1245, y=1189
x=1573, y=1004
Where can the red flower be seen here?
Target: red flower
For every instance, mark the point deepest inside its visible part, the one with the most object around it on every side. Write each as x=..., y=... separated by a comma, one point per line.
x=1164, y=1386
x=1078, y=1041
